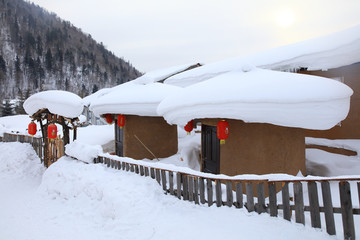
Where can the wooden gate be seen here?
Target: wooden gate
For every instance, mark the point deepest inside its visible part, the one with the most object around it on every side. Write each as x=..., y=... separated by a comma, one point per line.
x=54, y=149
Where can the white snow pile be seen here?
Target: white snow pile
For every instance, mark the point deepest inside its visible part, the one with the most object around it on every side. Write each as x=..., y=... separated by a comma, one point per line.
x=92, y=97
x=162, y=74
x=63, y=103
x=134, y=99
x=17, y=124
x=330, y=51
x=19, y=160
x=82, y=151
x=262, y=96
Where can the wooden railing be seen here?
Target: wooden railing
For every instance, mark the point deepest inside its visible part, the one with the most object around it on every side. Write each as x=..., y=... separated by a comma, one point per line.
x=259, y=195
x=36, y=142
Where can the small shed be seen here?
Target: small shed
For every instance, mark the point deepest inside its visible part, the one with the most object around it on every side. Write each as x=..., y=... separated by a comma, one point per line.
x=267, y=113
x=54, y=108
x=145, y=134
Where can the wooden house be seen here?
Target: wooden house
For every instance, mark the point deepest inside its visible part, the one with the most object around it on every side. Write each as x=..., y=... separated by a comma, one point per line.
x=267, y=113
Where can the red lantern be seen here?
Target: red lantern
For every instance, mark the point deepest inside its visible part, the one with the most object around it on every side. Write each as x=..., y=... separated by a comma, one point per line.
x=109, y=119
x=121, y=121
x=32, y=128
x=222, y=131
x=52, y=131
x=189, y=127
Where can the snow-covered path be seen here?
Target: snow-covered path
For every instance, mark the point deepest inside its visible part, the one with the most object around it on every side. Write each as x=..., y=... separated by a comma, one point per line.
x=74, y=200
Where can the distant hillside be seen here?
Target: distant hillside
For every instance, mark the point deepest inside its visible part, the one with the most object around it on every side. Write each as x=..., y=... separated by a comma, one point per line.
x=39, y=51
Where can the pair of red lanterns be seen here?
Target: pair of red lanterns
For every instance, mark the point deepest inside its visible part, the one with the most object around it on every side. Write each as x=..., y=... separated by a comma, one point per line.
x=222, y=129
x=52, y=130
x=120, y=120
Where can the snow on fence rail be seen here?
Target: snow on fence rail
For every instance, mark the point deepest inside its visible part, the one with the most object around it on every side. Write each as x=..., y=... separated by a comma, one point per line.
x=36, y=142
x=251, y=193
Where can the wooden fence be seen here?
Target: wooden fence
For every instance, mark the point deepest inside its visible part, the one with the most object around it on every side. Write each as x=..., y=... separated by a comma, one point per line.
x=36, y=142
x=260, y=195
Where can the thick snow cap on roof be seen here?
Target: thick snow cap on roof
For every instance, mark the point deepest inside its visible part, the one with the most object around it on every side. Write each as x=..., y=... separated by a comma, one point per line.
x=262, y=96
x=330, y=51
x=133, y=99
x=162, y=74
x=63, y=103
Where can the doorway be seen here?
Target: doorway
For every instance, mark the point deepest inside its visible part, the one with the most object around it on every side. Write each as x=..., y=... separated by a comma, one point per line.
x=210, y=145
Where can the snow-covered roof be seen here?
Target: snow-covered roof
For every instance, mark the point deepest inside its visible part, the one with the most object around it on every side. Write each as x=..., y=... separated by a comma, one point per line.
x=63, y=103
x=262, y=96
x=92, y=97
x=132, y=98
x=330, y=51
x=162, y=74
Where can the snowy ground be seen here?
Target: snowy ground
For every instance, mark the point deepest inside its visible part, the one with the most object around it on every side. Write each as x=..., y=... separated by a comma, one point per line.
x=74, y=200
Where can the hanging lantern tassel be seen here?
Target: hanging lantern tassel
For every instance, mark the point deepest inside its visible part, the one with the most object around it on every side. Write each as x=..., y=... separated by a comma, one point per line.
x=189, y=127
x=121, y=121
x=108, y=118
x=32, y=128
x=222, y=131
x=52, y=131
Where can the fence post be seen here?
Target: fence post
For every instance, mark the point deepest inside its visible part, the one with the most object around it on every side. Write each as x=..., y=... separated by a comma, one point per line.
x=209, y=189
x=260, y=207
x=286, y=201
x=346, y=210
x=229, y=194
x=163, y=178
x=249, y=197
x=178, y=183
x=299, y=203
x=239, y=195
x=171, y=182
x=328, y=208
x=218, y=193
x=202, y=190
x=191, y=188
x=314, y=205
x=272, y=199
x=196, y=190
x=185, y=187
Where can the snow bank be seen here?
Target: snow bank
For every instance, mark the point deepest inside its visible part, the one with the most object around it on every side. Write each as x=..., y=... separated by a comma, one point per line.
x=330, y=51
x=63, y=103
x=82, y=151
x=134, y=99
x=349, y=144
x=19, y=160
x=263, y=96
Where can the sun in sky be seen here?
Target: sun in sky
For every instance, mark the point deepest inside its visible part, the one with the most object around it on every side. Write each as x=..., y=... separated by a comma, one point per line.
x=285, y=18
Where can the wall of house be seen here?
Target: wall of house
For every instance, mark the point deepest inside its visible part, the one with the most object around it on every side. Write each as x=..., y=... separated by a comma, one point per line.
x=259, y=148
x=350, y=127
x=154, y=132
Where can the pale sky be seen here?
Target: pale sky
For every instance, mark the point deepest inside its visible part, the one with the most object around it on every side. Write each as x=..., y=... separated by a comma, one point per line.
x=155, y=34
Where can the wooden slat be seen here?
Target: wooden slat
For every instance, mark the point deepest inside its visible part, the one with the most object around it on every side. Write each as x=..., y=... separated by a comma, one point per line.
x=239, y=195
x=163, y=180
x=218, y=193
x=157, y=175
x=191, y=188
x=152, y=173
x=132, y=168
x=260, y=207
x=108, y=162
x=178, y=187
x=209, y=189
x=118, y=165
x=146, y=171
x=299, y=203
x=185, y=187
x=358, y=188
x=250, y=197
x=328, y=208
x=123, y=164
x=272, y=199
x=346, y=210
x=127, y=166
x=229, y=194
x=171, y=183
x=196, y=190
x=202, y=190
x=142, y=171
x=314, y=205
x=136, y=169
x=286, y=201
